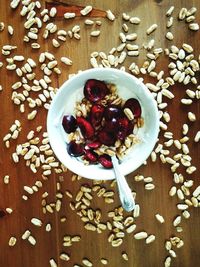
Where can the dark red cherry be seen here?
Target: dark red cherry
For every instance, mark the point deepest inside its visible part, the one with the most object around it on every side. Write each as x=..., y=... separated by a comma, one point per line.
x=91, y=156
x=75, y=149
x=106, y=137
x=134, y=105
x=94, y=145
x=69, y=123
x=125, y=128
x=122, y=134
x=86, y=128
x=105, y=161
x=112, y=111
x=96, y=114
x=112, y=125
x=123, y=122
x=95, y=90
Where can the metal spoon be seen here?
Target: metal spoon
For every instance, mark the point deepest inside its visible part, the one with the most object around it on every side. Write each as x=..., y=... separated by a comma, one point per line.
x=125, y=194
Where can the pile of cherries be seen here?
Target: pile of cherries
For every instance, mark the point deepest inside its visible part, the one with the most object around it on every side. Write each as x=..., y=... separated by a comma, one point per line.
x=104, y=124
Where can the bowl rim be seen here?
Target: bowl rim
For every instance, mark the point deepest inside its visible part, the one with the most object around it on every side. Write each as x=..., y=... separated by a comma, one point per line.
x=97, y=71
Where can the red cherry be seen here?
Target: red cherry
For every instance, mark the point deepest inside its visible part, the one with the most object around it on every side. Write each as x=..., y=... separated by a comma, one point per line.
x=113, y=111
x=95, y=90
x=69, y=123
x=94, y=145
x=75, y=149
x=125, y=128
x=106, y=137
x=112, y=125
x=86, y=128
x=91, y=156
x=105, y=161
x=134, y=105
x=96, y=114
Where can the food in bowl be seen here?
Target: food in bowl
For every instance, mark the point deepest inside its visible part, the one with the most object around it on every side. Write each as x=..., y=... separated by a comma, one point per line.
x=103, y=124
x=65, y=101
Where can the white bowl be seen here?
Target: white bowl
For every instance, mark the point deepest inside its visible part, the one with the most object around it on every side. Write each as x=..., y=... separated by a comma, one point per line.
x=128, y=86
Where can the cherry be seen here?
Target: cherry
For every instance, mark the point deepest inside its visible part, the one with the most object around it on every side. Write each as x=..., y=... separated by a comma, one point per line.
x=94, y=145
x=86, y=128
x=134, y=105
x=125, y=128
x=96, y=114
x=112, y=125
x=105, y=161
x=91, y=156
x=106, y=137
x=113, y=111
x=69, y=123
x=75, y=149
x=95, y=90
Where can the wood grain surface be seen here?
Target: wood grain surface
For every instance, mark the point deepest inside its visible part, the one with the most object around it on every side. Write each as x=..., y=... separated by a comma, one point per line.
x=94, y=245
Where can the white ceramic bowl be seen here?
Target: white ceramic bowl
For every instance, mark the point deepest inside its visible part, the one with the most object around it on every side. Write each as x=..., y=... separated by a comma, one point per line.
x=128, y=86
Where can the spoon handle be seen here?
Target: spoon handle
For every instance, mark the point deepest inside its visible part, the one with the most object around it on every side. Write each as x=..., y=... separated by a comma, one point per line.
x=125, y=194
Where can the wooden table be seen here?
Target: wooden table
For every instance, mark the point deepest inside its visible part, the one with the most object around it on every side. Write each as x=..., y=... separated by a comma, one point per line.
x=66, y=222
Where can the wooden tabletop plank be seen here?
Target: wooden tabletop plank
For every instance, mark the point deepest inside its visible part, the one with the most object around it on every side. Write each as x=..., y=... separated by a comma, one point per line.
x=63, y=8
